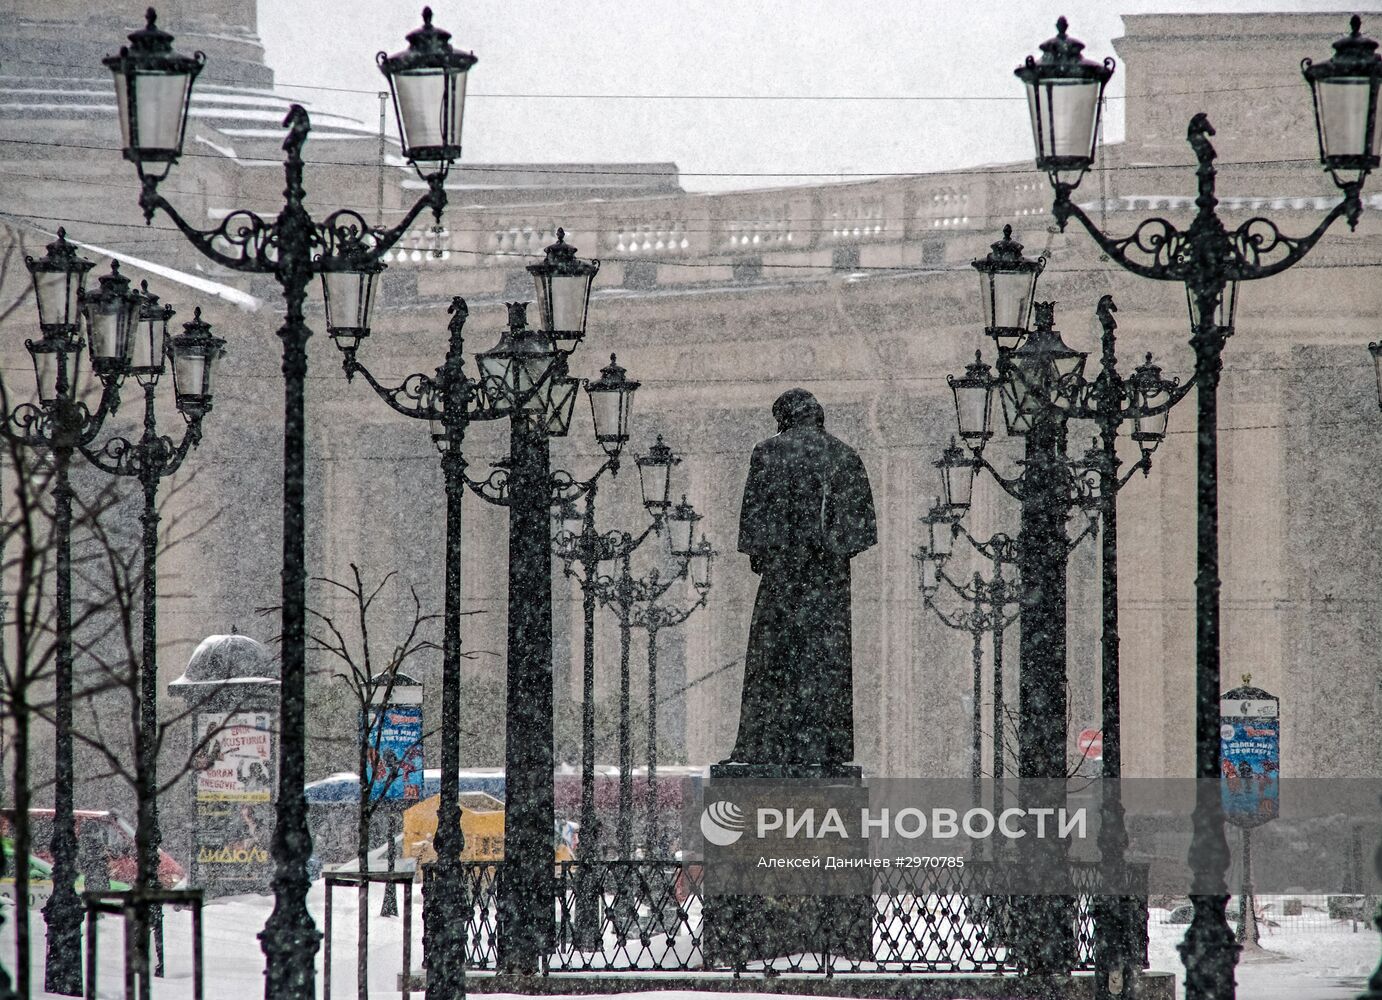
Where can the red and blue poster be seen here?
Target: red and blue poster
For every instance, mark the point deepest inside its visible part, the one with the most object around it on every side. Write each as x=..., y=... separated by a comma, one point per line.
x=1250, y=756
x=393, y=753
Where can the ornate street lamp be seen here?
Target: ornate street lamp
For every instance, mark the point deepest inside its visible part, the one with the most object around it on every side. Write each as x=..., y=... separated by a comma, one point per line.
x=654, y=616
x=1344, y=89
x=974, y=402
x=427, y=81
x=681, y=528
x=957, y=477
x=519, y=381
x=611, y=399
x=149, y=460
x=59, y=424
x=1043, y=386
x=636, y=603
x=1208, y=258
x=563, y=293
x=655, y=477
x=110, y=314
x=153, y=89
x=1007, y=286
x=1064, y=98
x=940, y=529
x=578, y=542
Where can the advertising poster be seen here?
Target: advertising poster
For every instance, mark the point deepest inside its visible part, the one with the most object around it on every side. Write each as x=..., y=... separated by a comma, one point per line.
x=1250, y=761
x=235, y=762
x=235, y=776
x=232, y=849
x=393, y=752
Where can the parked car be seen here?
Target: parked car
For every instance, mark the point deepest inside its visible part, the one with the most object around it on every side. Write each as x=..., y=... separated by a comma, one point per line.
x=40, y=879
x=102, y=830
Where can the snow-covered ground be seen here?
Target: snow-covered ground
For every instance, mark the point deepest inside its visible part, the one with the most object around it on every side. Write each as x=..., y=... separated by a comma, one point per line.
x=1328, y=961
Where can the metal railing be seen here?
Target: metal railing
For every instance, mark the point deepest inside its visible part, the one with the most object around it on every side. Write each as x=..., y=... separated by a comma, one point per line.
x=125, y=903
x=336, y=880
x=655, y=916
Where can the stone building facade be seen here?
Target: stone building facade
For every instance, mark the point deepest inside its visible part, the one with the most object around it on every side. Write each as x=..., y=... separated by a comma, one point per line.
x=860, y=292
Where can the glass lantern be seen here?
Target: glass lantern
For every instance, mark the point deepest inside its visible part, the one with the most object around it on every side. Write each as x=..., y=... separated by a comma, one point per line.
x=56, y=361
x=567, y=521
x=702, y=556
x=1149, y=391
x=1007, y=286
x=655, y=477
x=929, y=571
x=611, y=400
x=1064, y=97
x=150, y=338
x=1345, y=89
x=957, y=477
x=940, y=530
x=194, y=353
x=1224, y=309
x=153, y=90
x=514, y=372
x=110, y=314
x=681, y=527
x=59, y=277
x=974, y=402
x=428, y=81
x=563, y=283
x=348, y=280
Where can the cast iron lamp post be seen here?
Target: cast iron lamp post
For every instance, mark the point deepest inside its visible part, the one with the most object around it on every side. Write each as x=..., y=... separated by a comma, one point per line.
x=1042, y=386
x=1064, y=92
x=525, y=378
x=653, y=617
x=451, y=399
x=141, y=349
x=624, y=593
x=987, y=602
x=577, y=540
x=60, y=423
x=153, y=86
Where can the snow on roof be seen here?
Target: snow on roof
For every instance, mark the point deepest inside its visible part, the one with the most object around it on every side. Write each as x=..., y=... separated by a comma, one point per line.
x=234, y=296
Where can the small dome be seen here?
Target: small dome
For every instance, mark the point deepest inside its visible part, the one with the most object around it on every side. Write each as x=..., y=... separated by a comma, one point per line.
x=228, y=658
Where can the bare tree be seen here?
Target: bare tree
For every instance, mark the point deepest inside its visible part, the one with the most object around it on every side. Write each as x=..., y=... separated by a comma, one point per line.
x=370, y=678
x=112, y=668
x=28, y=660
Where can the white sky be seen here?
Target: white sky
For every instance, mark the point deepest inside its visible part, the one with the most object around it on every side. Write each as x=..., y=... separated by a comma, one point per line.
x=878, y=48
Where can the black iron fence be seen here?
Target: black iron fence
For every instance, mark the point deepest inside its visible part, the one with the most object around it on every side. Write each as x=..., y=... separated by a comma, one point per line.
x=651, y=916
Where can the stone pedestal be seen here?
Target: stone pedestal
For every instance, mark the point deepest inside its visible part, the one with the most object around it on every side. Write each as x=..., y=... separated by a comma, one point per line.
x=831, y=917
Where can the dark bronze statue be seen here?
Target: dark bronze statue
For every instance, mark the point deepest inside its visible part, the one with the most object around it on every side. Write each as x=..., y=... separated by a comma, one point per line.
x=808, y=510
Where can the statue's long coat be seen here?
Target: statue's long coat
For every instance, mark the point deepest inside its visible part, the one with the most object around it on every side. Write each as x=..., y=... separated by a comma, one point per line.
x=807, y=511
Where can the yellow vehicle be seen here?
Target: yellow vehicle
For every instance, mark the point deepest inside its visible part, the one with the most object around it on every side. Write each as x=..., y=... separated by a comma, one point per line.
x=482, y=823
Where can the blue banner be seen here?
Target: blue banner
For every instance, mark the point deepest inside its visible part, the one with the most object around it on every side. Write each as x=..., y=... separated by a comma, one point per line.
x=393, y=753
x=1250, y=762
